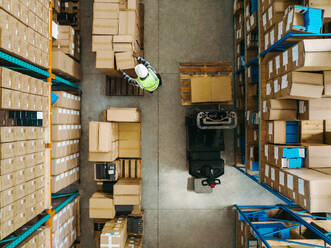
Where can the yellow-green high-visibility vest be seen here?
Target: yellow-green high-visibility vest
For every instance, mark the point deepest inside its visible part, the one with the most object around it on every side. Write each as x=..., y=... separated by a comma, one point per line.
x=150, y=83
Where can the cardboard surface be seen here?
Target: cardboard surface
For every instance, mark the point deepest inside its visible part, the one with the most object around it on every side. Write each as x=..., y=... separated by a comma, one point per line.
x=115, y=114
x=316, y=109
x=211, y=89
x=129, y=140
x=118, y=226
x=102, y=42
x=128, y=186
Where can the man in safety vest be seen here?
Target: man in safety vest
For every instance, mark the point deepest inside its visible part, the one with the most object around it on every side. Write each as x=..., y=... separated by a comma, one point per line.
x=147, y=79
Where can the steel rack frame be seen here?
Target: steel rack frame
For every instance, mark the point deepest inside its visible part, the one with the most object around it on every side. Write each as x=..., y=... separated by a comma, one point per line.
x=297, y=222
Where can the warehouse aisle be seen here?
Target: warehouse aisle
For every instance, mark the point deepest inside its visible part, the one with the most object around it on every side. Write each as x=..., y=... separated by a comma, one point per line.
x=175, y=31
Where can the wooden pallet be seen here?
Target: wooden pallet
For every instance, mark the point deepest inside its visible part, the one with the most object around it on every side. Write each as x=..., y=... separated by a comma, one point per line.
x=119, y=87
x=130, y=168
x=188, y=70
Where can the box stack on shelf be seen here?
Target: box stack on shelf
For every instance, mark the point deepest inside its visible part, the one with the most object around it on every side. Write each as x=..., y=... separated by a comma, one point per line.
x=239, y=77
x=295, y=110
x=65, y=226
x=115, y=150
x=25, y=30
x=66, y=131
x=24, y=123
x=117, y=33
x=66, y=39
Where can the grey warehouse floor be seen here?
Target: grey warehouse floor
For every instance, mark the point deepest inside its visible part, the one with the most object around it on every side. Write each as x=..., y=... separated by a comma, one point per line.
x=175, y=31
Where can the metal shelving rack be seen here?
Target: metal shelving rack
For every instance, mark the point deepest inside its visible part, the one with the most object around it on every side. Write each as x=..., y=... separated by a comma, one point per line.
x=297, y=218
x=280, y=45
x=56, y=82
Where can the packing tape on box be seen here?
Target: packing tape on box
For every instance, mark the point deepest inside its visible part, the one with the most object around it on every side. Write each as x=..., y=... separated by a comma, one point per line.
x=110, y=240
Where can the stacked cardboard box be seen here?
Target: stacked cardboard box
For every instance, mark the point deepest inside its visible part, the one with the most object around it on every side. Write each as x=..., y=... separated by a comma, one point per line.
x=117, y=33
x=65, y=40
x=65, y=135
x=102, y=206
x=40, y=238
x=127, y=191
x=25, y=30
x=65, y=228
x=117, y=226
x=67, y=12
x=66, y=66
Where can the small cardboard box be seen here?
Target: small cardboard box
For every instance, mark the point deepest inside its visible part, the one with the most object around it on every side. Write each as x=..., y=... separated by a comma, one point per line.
x=127, y=199
x=102, y=42
x=101, y=206
x=277, y=157
x=115, y=114
x=105, y=60
x=211, y=89
x=279, y=110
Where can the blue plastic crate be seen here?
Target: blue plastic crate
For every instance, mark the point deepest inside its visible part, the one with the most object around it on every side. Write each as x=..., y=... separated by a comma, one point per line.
x=259, y=216
x=294, y=152
x=291, y=132
x=294, y=163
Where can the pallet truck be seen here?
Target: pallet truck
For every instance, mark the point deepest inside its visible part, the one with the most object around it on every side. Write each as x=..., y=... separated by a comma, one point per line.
x=205, y=141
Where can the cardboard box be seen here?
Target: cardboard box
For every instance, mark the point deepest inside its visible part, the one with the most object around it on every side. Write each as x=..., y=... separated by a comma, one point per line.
x=127, y=22
x=101, y=206
x=317, y=109
x=128, y=186
x=277, y=132
x=64, y=148
x=127, y=199
x=279, y=109
x=67, y=100
x=105, y=156
x=118, y=226
x=318, y=156
x=102, y=42
x=312, y=131
x=280, y=155
x=125, y=61
x=314, y=190
x=101, y=136
x=105, y=60
x=104, y=10
x=64, y=64
x=211, y=89
x=116, y=114
x=134, y=242
x=310, y=55
x=105, y=27
x=129, y=140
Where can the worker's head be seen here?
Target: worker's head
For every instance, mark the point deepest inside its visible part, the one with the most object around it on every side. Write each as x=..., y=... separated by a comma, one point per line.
x=141, y=71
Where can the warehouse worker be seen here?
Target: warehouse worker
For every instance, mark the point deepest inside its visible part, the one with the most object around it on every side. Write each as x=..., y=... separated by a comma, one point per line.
x=147, y=79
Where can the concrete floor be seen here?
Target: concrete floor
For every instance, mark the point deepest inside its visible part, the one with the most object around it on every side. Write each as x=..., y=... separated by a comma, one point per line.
x=175, y=31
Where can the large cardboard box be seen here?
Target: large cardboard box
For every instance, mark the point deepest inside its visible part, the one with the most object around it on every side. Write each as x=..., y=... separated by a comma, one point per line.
x=103, y=10
x=105, y=156
x=128, y=186
x=102, y=135
x=64, y=64
x=102, y=42
x=101, y=206
x=129, y=140
x=317, y=109
x=127, y=199
x=115, y=114
x=117, y=226
x=279, y=110
x=211, y=89
x=300, y=85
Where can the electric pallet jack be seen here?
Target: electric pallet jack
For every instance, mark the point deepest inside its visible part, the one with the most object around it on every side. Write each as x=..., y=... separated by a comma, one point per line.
x=205, y=141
